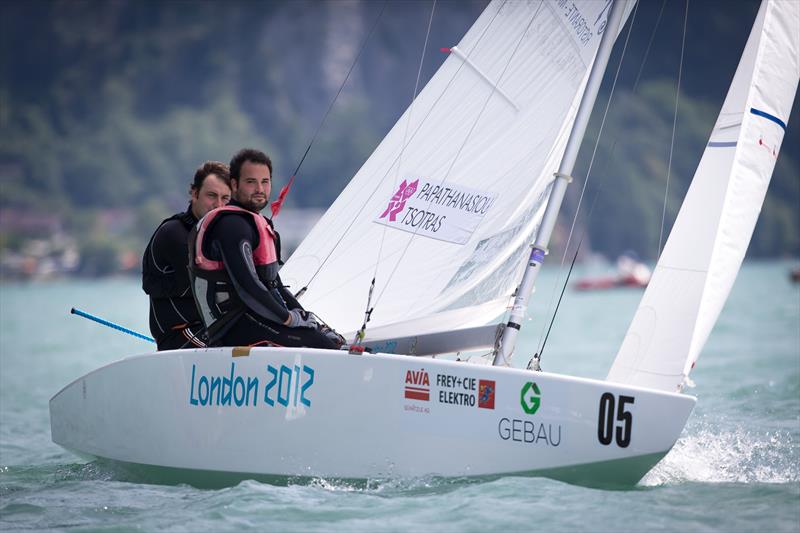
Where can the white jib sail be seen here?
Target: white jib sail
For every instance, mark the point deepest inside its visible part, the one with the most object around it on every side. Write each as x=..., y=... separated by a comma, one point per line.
x=708, y=242
x=444, y=209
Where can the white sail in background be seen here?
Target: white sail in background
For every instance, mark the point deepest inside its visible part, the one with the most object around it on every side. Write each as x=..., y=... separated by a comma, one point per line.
x=445, y=207
x=707, y=244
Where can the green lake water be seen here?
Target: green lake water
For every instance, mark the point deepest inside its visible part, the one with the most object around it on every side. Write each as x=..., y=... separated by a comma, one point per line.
x=735, y=468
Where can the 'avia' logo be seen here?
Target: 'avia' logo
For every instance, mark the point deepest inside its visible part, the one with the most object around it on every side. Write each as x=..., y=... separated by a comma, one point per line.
x=418, y=385
x=398, y=201
x=529, y=397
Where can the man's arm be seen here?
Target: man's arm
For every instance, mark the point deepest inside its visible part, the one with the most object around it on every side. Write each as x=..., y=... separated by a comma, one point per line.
x=287, y=296
x=168, y=259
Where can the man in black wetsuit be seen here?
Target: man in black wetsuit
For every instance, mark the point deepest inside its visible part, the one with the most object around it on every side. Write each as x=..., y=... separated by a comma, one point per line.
x=174, y=321
x=234, y=256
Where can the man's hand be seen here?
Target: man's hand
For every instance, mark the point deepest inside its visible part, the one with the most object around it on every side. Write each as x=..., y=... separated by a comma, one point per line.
x=301, y=319
x=331, y=334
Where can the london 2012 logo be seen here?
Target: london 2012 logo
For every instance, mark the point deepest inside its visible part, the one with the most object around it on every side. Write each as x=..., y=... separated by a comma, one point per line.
x=529, y=397
x=398, y=201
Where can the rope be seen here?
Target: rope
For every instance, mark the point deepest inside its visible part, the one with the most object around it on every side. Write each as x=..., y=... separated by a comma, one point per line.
x=674, y=125
x=277, y=205
x=564, y=288
x=368, y=310
x=649, y=44
x=583, y=190
x=361, y=208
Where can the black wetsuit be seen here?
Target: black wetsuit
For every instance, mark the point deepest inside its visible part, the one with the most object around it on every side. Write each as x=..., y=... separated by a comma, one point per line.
x=174, y=320
x=231, y=240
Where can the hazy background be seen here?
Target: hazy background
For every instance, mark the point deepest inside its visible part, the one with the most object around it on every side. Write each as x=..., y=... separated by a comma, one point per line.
x=107, y=108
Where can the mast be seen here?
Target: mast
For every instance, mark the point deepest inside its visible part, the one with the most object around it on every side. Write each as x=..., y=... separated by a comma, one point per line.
x=505, y=349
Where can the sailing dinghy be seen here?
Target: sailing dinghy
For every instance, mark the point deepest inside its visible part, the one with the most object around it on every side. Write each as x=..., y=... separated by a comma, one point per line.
x=451, y=217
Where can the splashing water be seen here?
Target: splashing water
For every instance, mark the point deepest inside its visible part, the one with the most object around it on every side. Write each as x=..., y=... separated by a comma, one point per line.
x=738, y=456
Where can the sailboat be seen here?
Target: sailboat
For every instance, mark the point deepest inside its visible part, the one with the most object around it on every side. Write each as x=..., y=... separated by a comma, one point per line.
x=630, y=273
x=443, y=230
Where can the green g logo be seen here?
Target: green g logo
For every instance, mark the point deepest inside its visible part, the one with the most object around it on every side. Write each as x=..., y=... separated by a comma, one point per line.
x=529, y=398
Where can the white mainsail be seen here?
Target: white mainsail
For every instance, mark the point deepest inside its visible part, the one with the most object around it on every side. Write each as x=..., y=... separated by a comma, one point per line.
x=708, y=242
x=444, y=209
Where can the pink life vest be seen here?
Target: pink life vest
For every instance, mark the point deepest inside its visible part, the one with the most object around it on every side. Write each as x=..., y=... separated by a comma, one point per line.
x=264, y=253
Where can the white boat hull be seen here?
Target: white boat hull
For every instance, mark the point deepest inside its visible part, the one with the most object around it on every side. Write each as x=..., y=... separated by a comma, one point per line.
x=322, y=413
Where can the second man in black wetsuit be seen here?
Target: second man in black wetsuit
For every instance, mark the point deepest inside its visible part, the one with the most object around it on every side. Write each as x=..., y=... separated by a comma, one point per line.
x=174, y=322
x=234, y=256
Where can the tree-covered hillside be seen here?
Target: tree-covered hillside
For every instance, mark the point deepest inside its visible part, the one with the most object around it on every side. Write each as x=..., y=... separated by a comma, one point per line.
x=107, y=107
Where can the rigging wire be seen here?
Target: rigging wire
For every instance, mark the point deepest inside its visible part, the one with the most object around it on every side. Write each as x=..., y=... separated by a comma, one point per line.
x=413, y=135
x=583, y=192
x=649, y=44
x=674, y=125
x=368, y=310
x=285, y=190
x=539, y=354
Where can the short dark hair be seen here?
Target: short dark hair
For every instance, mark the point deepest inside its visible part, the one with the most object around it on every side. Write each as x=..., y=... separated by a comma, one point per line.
x=206, y=169
x=248, y=154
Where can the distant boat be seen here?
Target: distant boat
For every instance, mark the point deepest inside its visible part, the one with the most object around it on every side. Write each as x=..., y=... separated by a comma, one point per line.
x=448, y=239
x=631, y=273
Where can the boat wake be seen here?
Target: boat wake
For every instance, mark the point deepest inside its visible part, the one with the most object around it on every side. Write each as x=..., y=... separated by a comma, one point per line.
x=106, y=470
x=737, y=456
x=385, y=486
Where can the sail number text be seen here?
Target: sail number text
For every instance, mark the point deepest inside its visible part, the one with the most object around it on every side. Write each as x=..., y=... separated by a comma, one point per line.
x=607, y=417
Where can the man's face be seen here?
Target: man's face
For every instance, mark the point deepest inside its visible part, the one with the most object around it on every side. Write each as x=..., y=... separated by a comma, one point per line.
x=213, y=193
x=253, y=187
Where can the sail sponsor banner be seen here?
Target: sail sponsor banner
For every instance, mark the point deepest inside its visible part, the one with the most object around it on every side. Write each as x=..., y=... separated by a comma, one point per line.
x=449, y=389
x=443, y=211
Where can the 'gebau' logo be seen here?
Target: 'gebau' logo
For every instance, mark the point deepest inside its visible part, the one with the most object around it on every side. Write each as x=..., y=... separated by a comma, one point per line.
x=529, y=398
